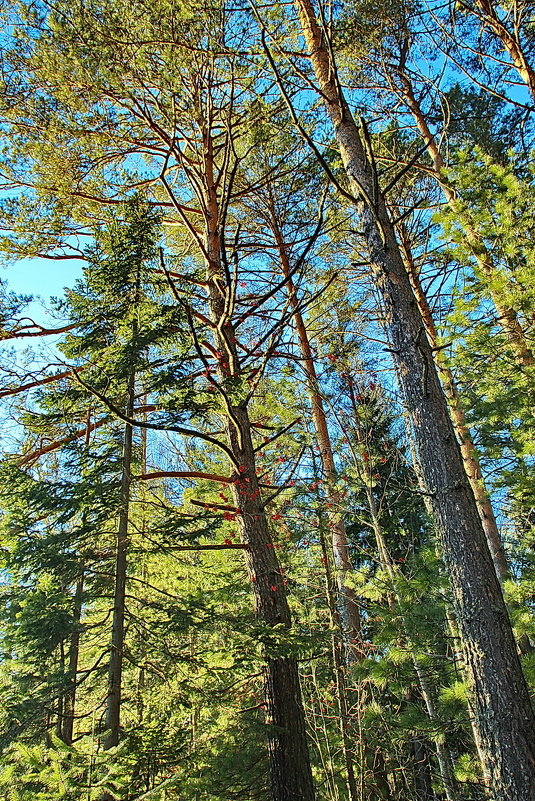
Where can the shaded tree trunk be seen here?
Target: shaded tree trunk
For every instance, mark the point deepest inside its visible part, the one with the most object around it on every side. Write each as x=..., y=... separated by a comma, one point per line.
x=74, y=652
x=115, y=667
x=423, y=786
x=443, y=754
x=346, y=615
x=339, y=664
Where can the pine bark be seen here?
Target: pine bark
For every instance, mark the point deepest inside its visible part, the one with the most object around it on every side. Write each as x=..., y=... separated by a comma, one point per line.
x=502, y=704
x=468, y=449
x=487, y=14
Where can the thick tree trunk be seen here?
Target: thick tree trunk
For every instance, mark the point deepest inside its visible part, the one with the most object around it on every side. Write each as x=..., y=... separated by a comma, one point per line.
x=115, y=667
x=459, y=660
x=290, y=770
x=504, y=714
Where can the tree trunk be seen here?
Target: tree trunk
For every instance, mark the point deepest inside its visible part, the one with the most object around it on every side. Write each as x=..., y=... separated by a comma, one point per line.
x=115, y=667
x=348, y=618
x=507, y=316
x=468, y=449
x=459, y=660
x=444, y=759
x=488, y=16
x=346, y=600
x=74, y=652
x=290, y=770
x=502, y=703
x=339, y=664
x=423, y=786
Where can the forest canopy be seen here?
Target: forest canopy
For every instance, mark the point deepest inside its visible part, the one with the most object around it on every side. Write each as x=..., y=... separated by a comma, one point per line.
x=267, y=492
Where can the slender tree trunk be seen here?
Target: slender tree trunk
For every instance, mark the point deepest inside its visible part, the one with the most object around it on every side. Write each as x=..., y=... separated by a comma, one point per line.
x=60, y=701
x=349, y=610
x=468, y=449
x=507, y=316
x=423, y=786
x=348, y=618
x=74, y=652
x=339, y=663
x=290, y=770
x=488, y=16
x=502, y=703
x=115, y=667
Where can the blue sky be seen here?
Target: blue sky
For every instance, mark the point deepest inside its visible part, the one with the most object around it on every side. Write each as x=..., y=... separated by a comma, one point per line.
x=41, y=276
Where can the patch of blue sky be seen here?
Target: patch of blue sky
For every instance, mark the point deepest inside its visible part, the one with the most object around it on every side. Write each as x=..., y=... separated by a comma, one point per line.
x=42, y=277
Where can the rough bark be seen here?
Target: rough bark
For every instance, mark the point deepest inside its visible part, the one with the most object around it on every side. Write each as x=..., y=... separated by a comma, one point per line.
x=468, y=449
x=459, y=660
x=502, y=704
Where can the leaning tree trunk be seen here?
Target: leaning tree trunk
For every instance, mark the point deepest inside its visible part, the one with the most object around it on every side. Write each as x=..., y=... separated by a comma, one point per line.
x=485, y=11
x=290, y=770
x=507, y=316
x=468, y=449
x=502, y=704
